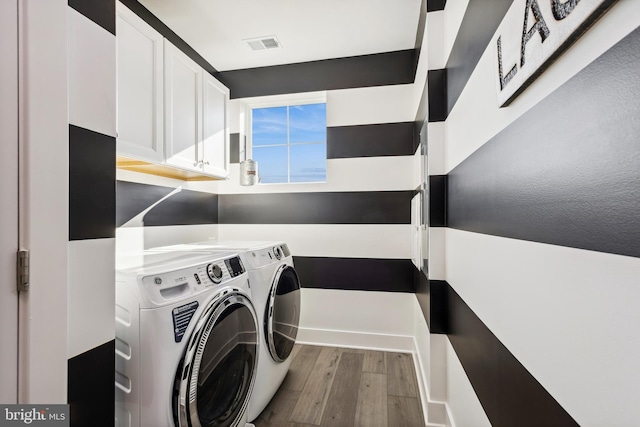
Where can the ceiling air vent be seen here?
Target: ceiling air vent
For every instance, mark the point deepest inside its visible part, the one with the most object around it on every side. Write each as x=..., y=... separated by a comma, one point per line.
x=262, y=43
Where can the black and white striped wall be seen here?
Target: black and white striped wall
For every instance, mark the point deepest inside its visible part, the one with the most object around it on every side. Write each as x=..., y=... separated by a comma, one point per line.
x=91, y=248
x=351, y=236
x=537, y=259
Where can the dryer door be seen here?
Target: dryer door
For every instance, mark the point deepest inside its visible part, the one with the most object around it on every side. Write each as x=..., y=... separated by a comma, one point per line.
x=215, y=380
x=282, y=314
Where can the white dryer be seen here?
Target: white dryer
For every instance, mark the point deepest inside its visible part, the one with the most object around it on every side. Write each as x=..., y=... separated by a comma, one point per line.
x=275, y=291
x=187, y=340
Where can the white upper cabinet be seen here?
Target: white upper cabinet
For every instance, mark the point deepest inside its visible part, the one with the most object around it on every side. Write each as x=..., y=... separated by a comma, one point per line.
x=183, y=109
x=140, y=87
x=170, y=110
x=196, y=116
x=214, y=147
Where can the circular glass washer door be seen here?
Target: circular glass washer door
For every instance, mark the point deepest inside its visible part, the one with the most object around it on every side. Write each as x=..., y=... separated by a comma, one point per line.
x=282, y=314
x=215, y=380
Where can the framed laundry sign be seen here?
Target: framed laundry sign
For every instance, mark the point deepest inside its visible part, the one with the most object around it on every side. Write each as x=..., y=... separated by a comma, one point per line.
x=535, y=32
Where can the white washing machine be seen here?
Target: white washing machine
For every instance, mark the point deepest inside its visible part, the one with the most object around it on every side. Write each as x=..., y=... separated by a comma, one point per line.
x=187, y=340
x=275, y=291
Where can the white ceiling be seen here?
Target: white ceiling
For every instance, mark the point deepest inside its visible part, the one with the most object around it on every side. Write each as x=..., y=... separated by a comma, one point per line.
x=307, y=29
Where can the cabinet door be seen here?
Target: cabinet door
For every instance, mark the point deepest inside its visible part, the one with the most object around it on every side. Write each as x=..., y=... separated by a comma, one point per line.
x=183, y=100
x=214, y=147
x=140, y=87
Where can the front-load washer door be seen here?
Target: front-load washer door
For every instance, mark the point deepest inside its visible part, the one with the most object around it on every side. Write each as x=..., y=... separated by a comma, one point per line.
x=215, y=380
x=282, y=314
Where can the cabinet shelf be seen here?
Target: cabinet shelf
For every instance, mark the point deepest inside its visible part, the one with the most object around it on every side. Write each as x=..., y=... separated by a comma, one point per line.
x=135, y=165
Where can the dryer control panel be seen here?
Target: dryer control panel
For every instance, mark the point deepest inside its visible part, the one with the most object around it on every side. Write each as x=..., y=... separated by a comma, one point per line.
x=169, y=286
x=267, y=256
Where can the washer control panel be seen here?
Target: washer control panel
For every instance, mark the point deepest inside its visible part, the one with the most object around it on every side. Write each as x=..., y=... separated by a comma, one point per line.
x=176, y=284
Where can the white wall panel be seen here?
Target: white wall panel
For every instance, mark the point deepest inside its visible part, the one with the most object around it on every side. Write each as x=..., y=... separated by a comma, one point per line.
x=91, y=298
x=392, y=173
x=570, y=316
x=330, y=240
x=464, y=407
x=476, y=116
x=370, y=105
x=92, y=94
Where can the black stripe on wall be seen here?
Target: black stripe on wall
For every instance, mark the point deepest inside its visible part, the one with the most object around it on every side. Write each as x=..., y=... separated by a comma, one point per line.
x=567, y=172
x=436, y=5
x=166, y=32
x=234, y=148
x=91, y=387
x=92, y=175
x=186, y=207
x=437, y=95
x=388, y=139
x=509, y=394
x=390, y=68
x=432, y=297
x=101, y=12
x=355, y=274
x=375, y=207
x=437, y=200
x=478, y=26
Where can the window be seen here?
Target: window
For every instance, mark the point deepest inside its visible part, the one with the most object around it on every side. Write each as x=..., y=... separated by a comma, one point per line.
x=290, y=143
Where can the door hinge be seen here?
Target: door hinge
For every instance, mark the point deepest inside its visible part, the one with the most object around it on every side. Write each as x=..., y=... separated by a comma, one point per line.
x=22, y=271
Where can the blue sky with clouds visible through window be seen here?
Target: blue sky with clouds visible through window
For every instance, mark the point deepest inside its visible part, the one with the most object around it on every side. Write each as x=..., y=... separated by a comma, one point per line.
x=307, y=124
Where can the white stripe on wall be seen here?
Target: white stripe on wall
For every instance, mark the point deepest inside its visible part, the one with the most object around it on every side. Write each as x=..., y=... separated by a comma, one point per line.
x=91, y=294
x=92, y=82
x=382, y=320
x=430, y=360
x=371, y=105
x=436, y=148
x=436, y=253
x=392, y=173
x=568, y=315
x=135, y=239
x=442, y=29
x=330, y=240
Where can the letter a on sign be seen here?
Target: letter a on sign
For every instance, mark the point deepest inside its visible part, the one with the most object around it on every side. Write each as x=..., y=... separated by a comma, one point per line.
x=533, y=34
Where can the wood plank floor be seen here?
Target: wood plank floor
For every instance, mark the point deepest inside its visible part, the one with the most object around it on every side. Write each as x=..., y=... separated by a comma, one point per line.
x=342, y=387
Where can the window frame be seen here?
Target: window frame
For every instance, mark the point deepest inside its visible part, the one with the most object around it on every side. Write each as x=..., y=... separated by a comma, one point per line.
x=287, y=100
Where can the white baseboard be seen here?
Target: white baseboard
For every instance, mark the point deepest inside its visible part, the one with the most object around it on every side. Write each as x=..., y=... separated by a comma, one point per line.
x=435, y=413
x=353, y=339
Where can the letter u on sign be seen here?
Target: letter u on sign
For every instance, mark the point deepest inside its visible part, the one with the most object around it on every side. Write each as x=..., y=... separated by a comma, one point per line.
x=532, y=34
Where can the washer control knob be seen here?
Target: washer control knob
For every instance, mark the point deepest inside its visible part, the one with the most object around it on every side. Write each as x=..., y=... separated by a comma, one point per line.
x=214, y=272
x=277, y=252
